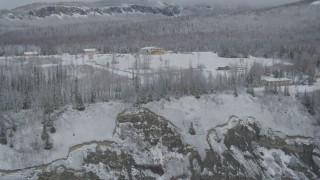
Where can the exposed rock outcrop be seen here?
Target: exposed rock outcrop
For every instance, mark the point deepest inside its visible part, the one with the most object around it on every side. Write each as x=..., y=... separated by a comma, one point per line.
x=239, y=150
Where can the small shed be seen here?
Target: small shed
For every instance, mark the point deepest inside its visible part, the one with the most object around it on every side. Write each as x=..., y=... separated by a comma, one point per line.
x=152, y=50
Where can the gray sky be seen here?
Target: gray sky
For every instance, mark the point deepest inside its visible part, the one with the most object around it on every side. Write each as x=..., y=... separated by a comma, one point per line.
x=9, y=4
x=236, y=2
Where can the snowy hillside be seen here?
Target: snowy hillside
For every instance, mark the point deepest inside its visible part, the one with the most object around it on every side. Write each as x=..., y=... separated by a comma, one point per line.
x=82, y=137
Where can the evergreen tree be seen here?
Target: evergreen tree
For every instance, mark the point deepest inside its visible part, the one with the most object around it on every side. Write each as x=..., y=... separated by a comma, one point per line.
x=275, y=89
x=249, y=80
x=3, y=136
x=141, y=98
x=308, y=103
x=93, y=97
x=312, y=108
x=276, y=74
x=281, y=74
x=235, y=92
x=267, y=89
x=44, y=134
x=191, y=129
x=250, y=90
x=286, y=91
x=47, y=144
x=26, y=95
x=311, y=78
x=79, y=103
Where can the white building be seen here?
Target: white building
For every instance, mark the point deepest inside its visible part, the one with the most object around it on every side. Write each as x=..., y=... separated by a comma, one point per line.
x=31, y=53
x=152, y=50
x=90, y=51
x=270, y=81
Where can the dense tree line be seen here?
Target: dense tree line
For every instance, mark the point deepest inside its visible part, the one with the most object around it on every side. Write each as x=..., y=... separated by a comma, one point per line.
x=279, y=32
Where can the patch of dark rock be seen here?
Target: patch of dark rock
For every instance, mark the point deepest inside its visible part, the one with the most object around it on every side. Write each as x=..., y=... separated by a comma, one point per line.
x=66, y=174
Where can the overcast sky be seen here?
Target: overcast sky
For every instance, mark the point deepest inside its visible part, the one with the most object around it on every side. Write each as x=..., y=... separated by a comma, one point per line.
x=9, y=4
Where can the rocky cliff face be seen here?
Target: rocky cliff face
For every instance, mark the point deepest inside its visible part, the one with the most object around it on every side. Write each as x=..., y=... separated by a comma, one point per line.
x=241, y=151
x=147, y=146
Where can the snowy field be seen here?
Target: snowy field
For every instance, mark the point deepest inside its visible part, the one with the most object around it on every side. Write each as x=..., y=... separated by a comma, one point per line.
x=209, y=60
x=125, y=63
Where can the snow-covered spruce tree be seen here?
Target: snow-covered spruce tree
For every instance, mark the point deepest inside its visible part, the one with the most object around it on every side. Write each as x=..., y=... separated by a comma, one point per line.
x=79, y=103
x=312, y=105
x=191, y=129
x=281, y=73
x=234, y=85
x=114, y=59
x=11, y=143
x=308, y=103
x=3, y=134
x=286, y=91
x=235, y=92
x=275, y=89
x=26, y=95
x=256, y=71
x=45, y=137
x=250, y=90
x=10, y=139
x=44, y=134
x=249, y=80
x=78, y=99
x=47, y=144
x=311, y=78
x=48, y=123
x=249, y=84
x=141, y=96
x=93, y=97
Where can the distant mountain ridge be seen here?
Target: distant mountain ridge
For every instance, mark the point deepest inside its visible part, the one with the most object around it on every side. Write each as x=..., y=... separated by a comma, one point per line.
x=46, y=10
x=117, y=7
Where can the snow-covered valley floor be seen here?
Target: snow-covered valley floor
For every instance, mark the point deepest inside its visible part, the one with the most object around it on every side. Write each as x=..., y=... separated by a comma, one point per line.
x=125, y=63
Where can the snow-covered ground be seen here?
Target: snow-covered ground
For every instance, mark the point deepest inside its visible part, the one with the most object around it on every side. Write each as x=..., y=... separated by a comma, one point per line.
x=97, y=123
x=126, y=62
x=213, y=110
x=209, y=60
x=73, y=127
